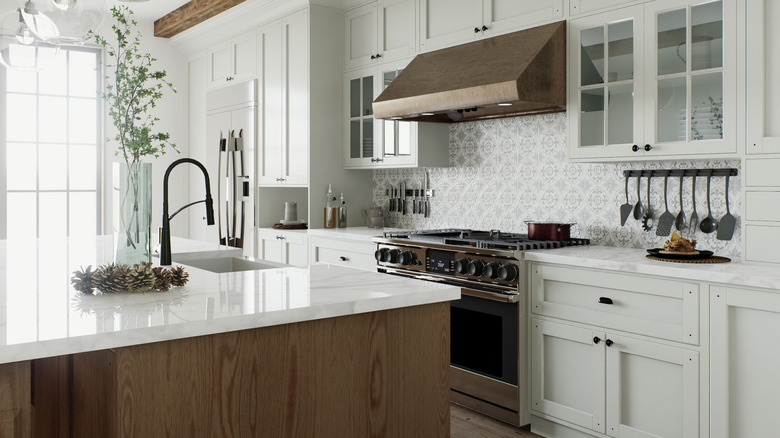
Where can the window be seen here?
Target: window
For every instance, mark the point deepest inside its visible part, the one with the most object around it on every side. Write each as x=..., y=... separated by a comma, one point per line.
x=52, y=148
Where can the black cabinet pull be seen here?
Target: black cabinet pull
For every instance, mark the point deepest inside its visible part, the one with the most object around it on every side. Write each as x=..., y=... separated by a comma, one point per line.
x=373, y=56
x=605, y=300
x=635, y=148
x=343, y=259
x=476, y=30
x=378, y=55
x=648, y=147
x=609, y=342
x=484, y=28
x=596, y=339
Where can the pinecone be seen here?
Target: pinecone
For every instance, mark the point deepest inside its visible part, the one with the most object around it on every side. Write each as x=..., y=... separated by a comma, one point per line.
x=163, y=279
x=140, y=278
x=82, y=280
x=110, y=278
x=179, y=276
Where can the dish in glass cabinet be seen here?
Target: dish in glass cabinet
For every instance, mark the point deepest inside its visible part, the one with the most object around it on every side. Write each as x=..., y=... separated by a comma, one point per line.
x=663, y=254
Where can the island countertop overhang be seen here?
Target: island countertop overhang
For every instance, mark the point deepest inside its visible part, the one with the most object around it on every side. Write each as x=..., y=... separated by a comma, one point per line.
x=46, y=317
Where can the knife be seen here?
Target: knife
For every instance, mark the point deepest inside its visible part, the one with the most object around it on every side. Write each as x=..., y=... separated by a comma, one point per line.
x=427, y=201
x=403, y=198
x=392, y=198
x=414, y=200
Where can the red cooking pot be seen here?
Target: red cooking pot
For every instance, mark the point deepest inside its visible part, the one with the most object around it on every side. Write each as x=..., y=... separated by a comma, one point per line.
x=549, y=231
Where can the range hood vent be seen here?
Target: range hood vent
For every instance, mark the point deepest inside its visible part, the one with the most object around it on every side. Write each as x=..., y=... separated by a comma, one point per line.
x=520, y=73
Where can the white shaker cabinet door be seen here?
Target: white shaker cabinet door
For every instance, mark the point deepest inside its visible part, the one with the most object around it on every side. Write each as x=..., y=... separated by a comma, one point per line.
x=502, y=16
x=270, y=90
x=218, y=63
x=295, y=104
x=744, y=362
x=445, y=23
x=396, y=29
x=360, y=27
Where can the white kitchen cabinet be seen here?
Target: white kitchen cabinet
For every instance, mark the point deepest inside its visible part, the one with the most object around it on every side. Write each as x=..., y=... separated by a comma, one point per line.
x=744, y=382
x=283, y=93
x=280, y=246
x=593, y=365
x=634, y=95
x=445, y=23
x=233, y=60
x=374, y=143
x=350, y=253
x=763, y=91
x=577, y=7
x=613, y=384
x=378, y=32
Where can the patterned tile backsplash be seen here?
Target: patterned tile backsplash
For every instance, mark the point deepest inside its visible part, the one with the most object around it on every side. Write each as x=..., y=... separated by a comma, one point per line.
x=507, y=171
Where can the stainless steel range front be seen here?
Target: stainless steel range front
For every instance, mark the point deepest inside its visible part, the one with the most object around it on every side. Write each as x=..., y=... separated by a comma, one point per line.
x=488, y=329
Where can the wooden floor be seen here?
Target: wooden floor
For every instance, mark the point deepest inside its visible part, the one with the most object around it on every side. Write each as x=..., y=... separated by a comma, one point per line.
x=465, y=423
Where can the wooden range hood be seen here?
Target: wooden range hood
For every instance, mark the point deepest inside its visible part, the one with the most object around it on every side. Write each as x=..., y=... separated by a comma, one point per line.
x=480, y=80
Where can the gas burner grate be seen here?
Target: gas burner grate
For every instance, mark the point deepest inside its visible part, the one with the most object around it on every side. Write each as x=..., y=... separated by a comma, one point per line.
x=492, y=239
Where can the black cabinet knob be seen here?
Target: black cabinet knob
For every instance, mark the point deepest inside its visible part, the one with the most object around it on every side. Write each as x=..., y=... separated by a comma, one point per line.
x=609, y=342
x=379, y=254
x=462, y=266
x=476, y=267
x=378, y=55
x=491, y=270
x=343, y=259
x=373, y=56
x=648, y=147
x=605, y=300
x=507, y=272
x=596, y=339
x=635, y=148
x=476, y=30
x=484, y=28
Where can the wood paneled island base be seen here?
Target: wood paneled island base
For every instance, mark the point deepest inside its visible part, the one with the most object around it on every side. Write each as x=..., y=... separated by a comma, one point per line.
x=378, y=374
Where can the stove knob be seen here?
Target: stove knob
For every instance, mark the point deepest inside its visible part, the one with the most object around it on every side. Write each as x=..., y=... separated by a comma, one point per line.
x=379, y=254
x=507, y=272
x=462, y=266
x=475, y=267
x=491, y=270
x=407, y=258
x=391, y=256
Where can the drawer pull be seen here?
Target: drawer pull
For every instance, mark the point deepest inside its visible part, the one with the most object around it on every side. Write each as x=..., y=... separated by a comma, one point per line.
x=596, y=339
x=609, y=342
x=605, y=300
x=343, y=259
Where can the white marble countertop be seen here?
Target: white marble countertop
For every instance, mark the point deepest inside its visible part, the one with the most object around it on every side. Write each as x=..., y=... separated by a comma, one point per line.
x=633, y=260
x=42, y=316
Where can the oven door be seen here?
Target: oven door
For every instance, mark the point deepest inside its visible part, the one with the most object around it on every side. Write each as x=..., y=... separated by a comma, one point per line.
x=484, y=336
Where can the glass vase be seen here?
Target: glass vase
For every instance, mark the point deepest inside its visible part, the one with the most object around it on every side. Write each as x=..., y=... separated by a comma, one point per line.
x=132, y=213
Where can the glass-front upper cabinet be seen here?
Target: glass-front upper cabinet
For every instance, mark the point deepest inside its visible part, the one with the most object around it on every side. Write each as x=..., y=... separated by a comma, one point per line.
x=396, y=135
x=654, y=80
x=360, y=116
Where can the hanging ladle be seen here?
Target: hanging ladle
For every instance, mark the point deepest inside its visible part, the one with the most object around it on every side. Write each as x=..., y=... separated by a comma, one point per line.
x=708, y=224
x=679, y=223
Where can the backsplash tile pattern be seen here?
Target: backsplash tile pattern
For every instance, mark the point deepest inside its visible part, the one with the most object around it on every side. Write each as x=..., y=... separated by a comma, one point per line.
x=506, y=171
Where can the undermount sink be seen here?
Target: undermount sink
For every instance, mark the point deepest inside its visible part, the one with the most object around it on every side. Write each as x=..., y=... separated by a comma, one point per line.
x=228, y=264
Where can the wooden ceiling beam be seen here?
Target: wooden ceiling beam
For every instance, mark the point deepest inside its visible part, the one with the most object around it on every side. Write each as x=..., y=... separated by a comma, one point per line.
x=189, y=15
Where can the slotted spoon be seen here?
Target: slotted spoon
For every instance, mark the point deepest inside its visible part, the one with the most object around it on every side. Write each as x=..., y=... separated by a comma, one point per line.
x=666, y=220
x=625, y=209
x=728, y=221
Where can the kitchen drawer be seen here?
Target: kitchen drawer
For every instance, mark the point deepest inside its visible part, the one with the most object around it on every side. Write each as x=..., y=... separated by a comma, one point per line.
x=762, y=206
x=761, y=243
x=650, y=306
x=353, y=254
x=762, y=172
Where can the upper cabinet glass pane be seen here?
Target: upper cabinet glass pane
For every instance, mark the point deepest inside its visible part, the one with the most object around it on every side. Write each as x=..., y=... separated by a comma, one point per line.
x=621, y=51
x=671, y=114
x=707, y=36
x=592, y=56
x=672, y=44
x=368, y=96
x=354, y=98
x=707, y=111
x=592, y=117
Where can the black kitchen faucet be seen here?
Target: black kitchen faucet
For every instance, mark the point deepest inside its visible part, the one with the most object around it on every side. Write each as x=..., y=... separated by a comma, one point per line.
x=165, y=233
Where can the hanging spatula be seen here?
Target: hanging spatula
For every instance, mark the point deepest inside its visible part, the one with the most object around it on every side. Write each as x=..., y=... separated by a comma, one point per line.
x=666, y=220
x=625, y=209
x=727, y=222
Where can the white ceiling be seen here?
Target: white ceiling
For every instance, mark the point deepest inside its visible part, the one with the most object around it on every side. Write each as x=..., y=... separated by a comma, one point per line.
x=148, y=10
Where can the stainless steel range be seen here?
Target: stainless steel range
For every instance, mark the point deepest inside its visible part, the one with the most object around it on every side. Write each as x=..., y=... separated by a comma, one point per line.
x=488, y=330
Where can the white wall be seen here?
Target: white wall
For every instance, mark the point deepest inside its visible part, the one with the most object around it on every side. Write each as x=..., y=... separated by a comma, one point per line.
x=172, y=112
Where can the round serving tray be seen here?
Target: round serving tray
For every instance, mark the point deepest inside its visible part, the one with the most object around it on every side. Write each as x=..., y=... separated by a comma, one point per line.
x=658, y=252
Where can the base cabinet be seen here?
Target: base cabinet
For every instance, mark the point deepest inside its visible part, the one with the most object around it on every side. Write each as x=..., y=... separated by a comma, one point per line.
x=613, y=384
x=16, y=400
x=744, y=378
x=283, y=247
x=348, y=253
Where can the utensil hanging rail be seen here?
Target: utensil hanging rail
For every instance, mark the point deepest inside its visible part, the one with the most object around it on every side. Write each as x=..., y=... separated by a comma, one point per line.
x=681, y=172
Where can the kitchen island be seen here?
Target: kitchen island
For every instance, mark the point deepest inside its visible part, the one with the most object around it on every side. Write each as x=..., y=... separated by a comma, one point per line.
x=318, y=351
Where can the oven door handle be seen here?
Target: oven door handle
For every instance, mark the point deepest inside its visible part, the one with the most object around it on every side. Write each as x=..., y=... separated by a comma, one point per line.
x=490, y=295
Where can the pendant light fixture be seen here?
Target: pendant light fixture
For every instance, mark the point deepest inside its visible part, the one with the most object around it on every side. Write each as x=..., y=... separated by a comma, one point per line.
x=20, y=48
